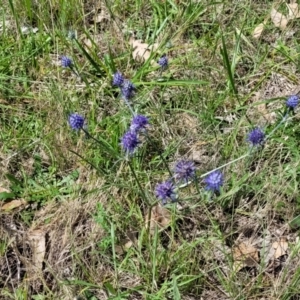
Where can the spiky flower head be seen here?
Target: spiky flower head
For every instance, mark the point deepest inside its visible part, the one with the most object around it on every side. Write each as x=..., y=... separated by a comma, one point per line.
x=184, y=170
x=214, y=181
x=76, y=121
x=129, y=142
x=72, y=34
x=66, y=62
x=163, y=61
x=165, y=190
x=138, y=123
x=292, y=101
x=118, y=79
x=127, y=89
x=256, y=136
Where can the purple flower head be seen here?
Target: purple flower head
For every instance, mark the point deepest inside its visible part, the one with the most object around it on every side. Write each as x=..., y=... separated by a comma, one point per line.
x=66, y=62
x=256, y=136
x=163, y=61
x=138, y=123
x=214, y=181
x=129, y=142
x=76, y=121
x=165, y=190
x=127, y=89
x=118, y=79
x=292, y=101
x=184, y=170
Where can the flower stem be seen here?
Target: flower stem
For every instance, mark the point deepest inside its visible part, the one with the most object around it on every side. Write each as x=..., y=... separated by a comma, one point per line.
x=129, y=106
x=284, y=118
x=138, y=182
x=108, y=149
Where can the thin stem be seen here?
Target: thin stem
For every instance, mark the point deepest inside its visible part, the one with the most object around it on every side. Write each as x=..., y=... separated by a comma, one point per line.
x=96, y=140
x=138, y=182
x=160, y=155
x=225, y=165
x=278, y=125
x=129, y=106
x=75, y=71
x=91, y=164
x=196, y=181
x=251, y=150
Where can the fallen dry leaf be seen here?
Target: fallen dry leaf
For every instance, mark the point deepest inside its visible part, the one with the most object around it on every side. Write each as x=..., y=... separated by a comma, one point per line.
x=273, y=253
x=293, y=11
x=131, y=239
x=186, y=122
x=88, y=43
x=219, y=8
x=198, y=151
x=13, y=204
x=141, y=51
x=160, y=217
x=266, y=114
x=244, y=255
x=37, y=243
x=279, y=248
x=4, y=190
x=101, y=17
x=258, y=30
x=128, y=242
x=278, y=19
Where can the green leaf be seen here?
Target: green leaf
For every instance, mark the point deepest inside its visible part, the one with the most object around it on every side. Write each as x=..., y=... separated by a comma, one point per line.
x=295, y=223
x=176, y=293
x=13, y=179
x=110, y=288
x=228, y=65
x=6, y=195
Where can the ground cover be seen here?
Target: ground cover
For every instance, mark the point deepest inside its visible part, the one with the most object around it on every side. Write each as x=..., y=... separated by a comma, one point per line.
x=149, y=150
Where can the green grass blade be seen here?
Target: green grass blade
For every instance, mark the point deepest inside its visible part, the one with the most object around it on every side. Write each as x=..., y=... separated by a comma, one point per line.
x=228, y=65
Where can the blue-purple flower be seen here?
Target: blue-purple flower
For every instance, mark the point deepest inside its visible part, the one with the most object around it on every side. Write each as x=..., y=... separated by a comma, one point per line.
x=256, y=136
x=165, y=190
x=129, y=142
x=127, y=89
x=66, y=62
x=76, y=121
x=118, y=79
x=163, y=61
x=214, y=181
x=184, y=170
x=138, y=123
x=292, y=101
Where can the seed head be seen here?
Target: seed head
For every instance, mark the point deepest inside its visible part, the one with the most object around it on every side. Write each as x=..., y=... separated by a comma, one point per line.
x=66, y=62
x=76, y=121
x=214, y=181
x=165, y=190
x=138, y=123
x=127, y=89
x=129, y=142
x=292, y=101
x=184, y=170
x=256, y=136
x=163, y=61
x=118, y=79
